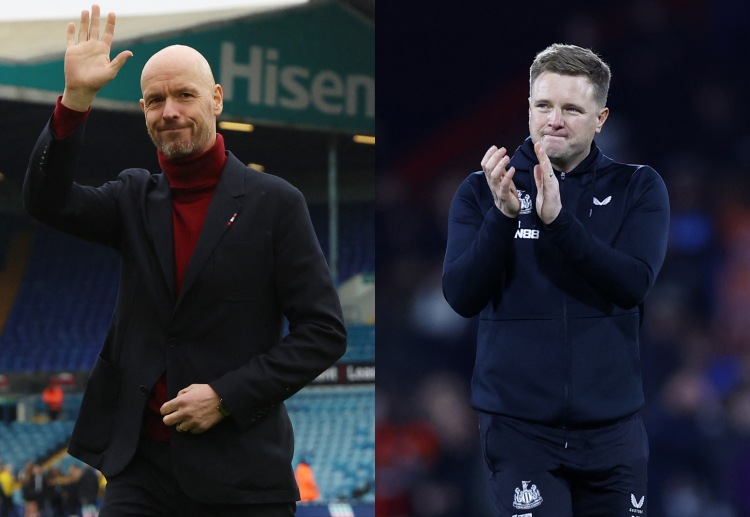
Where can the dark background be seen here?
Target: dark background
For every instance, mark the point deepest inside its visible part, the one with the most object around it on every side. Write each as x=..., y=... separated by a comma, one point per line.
x=452, y=79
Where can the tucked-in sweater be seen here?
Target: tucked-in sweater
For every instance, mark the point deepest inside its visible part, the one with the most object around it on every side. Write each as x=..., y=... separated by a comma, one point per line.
x=559, y=305
x=192, y=182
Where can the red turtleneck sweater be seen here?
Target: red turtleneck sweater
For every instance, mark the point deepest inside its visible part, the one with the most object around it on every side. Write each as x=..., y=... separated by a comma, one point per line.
x=192, y=181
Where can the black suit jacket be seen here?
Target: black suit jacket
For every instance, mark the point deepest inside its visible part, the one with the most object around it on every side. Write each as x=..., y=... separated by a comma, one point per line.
x=256, y=261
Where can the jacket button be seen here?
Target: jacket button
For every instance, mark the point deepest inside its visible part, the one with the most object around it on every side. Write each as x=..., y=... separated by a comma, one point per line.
x=143, y=389
x=172, y=342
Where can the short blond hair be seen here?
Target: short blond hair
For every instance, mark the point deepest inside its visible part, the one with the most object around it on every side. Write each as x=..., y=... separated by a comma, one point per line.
x=573, y=60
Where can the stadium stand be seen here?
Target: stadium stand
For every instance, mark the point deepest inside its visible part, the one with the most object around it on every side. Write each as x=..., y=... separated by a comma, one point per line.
x=62, y=308
x=27, y=441
x=360, y=346
x=335, y=429
x=356, y=236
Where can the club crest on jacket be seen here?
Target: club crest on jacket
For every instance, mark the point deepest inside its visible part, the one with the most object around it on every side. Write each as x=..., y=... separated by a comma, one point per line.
x=525, y=200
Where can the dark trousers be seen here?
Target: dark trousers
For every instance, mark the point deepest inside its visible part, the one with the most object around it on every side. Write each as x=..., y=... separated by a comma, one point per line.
x=147, y=487
x=549, y=472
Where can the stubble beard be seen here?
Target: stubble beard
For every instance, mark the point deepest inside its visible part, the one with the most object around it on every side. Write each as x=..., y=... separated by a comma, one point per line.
x=562, y=157
x=178, y=149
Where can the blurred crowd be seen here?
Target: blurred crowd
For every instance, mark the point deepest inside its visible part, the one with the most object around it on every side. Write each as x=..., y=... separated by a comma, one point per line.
x=35, y=491
x=677, y=104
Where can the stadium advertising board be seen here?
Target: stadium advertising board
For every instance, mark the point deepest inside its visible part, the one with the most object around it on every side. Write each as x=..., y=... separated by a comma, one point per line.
x=311, y=66
x=347, y=373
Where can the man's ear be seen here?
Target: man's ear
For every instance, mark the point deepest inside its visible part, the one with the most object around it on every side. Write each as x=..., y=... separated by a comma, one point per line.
x=603, y=114
x=218, y=99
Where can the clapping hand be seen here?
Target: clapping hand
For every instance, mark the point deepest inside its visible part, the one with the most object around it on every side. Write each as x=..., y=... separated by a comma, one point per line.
x=500, y=180
x=548, y=202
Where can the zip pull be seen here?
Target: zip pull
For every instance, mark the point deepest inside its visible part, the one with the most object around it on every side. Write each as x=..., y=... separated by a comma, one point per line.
x=562, y=176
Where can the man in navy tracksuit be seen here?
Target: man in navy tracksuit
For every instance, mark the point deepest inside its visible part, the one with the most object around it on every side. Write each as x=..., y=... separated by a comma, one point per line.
x=556, y=249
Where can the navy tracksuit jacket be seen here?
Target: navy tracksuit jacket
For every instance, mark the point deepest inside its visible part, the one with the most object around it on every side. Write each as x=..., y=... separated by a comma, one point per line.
x=559, y=305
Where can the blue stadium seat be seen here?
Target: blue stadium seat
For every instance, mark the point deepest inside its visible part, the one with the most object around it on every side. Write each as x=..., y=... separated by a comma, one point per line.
x=335, y=428
x=21, y=442
x=63, y=306
x=360, y=345
x=356, y=236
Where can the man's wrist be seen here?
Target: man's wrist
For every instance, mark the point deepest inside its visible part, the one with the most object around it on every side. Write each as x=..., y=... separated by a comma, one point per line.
x=223, y=408
x=77, y=101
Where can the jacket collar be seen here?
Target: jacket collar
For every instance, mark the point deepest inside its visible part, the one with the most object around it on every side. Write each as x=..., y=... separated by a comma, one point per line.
x=525, y=158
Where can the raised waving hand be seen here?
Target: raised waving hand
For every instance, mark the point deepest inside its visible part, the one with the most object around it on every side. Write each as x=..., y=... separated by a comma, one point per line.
x=87, y=65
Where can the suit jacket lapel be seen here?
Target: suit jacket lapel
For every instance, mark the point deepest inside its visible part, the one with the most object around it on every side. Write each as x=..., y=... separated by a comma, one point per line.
x=224, y=205
x=159, y=227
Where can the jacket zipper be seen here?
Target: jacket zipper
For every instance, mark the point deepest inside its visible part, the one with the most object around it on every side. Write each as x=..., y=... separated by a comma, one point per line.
x=566, y=362
x=567, y=351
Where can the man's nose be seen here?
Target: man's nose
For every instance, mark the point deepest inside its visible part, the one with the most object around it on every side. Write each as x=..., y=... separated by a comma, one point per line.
x=170, y=109
x=555, y=117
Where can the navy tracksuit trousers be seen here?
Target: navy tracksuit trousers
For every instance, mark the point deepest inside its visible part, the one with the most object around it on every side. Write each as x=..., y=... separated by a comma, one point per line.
x=540, y=471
